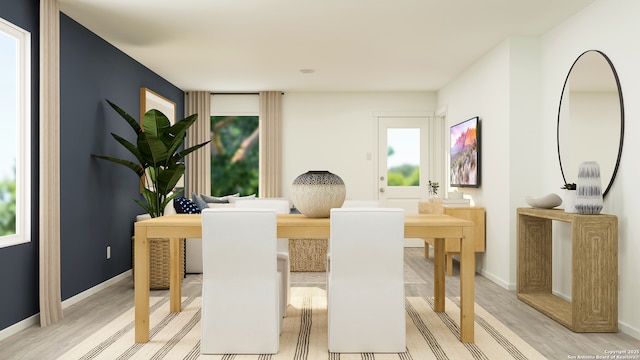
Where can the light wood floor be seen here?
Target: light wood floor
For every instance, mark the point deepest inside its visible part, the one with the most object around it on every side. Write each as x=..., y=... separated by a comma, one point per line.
x=548, y=337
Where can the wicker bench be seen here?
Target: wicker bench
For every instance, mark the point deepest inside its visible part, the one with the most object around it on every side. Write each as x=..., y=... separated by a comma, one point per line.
x=159, y=262
x=308, y=255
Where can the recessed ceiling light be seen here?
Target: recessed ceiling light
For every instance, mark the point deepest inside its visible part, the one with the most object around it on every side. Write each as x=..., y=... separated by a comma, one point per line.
x=307, y=71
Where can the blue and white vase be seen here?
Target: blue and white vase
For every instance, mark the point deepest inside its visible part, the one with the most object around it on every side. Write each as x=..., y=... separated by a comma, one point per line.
x=589, y=188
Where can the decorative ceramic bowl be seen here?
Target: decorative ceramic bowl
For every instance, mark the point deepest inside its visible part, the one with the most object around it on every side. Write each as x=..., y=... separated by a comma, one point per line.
x=548, y=201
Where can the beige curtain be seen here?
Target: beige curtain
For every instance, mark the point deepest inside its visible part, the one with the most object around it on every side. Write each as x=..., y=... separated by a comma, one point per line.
x=198, y=172
x=50, y=298
x=270, y=167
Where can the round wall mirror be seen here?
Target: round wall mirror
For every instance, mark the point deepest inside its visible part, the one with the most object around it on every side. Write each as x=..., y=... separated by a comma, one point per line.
x=591, y=118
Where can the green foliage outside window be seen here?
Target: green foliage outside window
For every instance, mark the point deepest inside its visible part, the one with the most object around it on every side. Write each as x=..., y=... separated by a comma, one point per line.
x=403, y=175
x=235, y=155
x=8, y=206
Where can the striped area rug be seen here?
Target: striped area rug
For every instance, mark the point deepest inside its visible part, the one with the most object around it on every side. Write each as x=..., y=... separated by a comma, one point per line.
x=429, y=335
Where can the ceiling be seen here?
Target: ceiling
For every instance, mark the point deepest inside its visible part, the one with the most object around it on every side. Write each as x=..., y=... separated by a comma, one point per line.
x=351, y=45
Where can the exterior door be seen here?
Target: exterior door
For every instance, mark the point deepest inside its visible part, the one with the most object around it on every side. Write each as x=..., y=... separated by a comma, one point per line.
x=402, y=169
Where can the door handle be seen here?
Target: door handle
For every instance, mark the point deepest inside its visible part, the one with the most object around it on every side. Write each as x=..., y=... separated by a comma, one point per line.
x=381, y=190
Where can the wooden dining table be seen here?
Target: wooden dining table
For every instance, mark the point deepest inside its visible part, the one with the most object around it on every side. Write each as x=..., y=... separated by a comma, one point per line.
x=179, y=226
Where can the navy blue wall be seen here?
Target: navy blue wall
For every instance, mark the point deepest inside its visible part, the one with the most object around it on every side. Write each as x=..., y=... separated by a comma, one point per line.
x=97, y=209
x=97, y=196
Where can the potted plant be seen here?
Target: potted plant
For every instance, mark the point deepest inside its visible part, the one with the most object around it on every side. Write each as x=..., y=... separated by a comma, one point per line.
x=570, y=198
x=433, y=189
x=159, y=161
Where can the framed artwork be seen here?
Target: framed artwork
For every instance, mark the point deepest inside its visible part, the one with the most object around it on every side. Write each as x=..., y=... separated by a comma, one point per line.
x=152, y=100
x=149, y=99
x=464, y=168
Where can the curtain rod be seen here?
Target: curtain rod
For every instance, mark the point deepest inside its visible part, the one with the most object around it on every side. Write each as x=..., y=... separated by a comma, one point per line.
x=226, y=93
x=233, y=93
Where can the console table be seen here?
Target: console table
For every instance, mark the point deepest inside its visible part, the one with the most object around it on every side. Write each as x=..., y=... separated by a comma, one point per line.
x=452, y=246
x=594, y=263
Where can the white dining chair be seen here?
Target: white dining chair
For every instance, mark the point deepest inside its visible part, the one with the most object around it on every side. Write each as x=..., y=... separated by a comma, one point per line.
x=240, y=282
x=281, y=206
x=349, y=203
x=365, y=286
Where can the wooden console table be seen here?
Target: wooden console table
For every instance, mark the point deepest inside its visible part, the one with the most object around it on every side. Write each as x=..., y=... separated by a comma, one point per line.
x=452, y=246
x=594, y=263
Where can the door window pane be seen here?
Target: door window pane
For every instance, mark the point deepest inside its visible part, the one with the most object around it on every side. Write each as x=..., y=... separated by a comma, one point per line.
x=403, y=157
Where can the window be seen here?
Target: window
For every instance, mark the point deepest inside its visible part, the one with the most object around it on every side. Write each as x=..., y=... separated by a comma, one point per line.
x=234, y=158
x=234, y=144
x=15, y=137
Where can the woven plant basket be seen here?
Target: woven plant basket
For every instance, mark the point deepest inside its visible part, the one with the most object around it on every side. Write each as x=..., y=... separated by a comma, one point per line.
x=308, y=255
x=159, y=262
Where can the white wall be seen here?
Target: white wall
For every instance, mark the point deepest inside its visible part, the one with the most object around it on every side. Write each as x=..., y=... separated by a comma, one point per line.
x=515, y=89
x=336, y=132
x=611, y=27
x=502, y=89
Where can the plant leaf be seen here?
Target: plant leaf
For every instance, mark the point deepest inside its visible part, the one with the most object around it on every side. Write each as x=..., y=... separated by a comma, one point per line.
x=175, y=135
x=188, y=151
x=129, y=146
x=153, y=151
x=155, y=123
x=130, y=120
x=168, y=178
x=129, y=164
x=144, y=206
x=171, y=197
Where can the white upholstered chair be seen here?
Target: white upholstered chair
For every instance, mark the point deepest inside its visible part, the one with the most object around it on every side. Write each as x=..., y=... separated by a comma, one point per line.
x=241, y=284
x=282, y=207
x=352, y=204
x=365, y=286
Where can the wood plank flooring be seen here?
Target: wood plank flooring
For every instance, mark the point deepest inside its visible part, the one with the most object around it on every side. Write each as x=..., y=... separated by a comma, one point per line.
x=548, y=337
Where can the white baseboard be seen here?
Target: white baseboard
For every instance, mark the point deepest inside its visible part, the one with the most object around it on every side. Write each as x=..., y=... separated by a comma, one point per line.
x=498, y=281
x=622, y=327
x=629, y=330
x=19, y=326
x=35, y=319
x=85, y=294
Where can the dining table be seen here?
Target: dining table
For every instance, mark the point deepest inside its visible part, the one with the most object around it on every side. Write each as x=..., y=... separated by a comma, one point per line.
x=179, y=226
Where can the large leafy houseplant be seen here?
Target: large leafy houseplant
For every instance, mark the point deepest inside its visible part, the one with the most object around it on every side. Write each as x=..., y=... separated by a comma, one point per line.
x=159, y=161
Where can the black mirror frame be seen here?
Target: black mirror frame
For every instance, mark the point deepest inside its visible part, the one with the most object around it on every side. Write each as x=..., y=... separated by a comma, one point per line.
x=615, y=75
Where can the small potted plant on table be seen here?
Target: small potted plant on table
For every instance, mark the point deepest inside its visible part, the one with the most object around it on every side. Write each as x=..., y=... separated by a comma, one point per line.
x=570, y=198
x=433, y=191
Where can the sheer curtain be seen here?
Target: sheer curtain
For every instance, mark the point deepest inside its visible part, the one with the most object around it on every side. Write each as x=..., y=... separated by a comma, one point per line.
x=49, y=262
x=270, y=167
x=198, y=172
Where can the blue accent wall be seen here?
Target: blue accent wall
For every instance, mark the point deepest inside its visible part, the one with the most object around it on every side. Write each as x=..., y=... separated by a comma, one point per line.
x=97, y=207
x=97, y=196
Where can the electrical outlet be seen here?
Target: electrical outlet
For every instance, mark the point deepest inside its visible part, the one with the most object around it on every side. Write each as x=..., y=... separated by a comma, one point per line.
x=108, y=252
